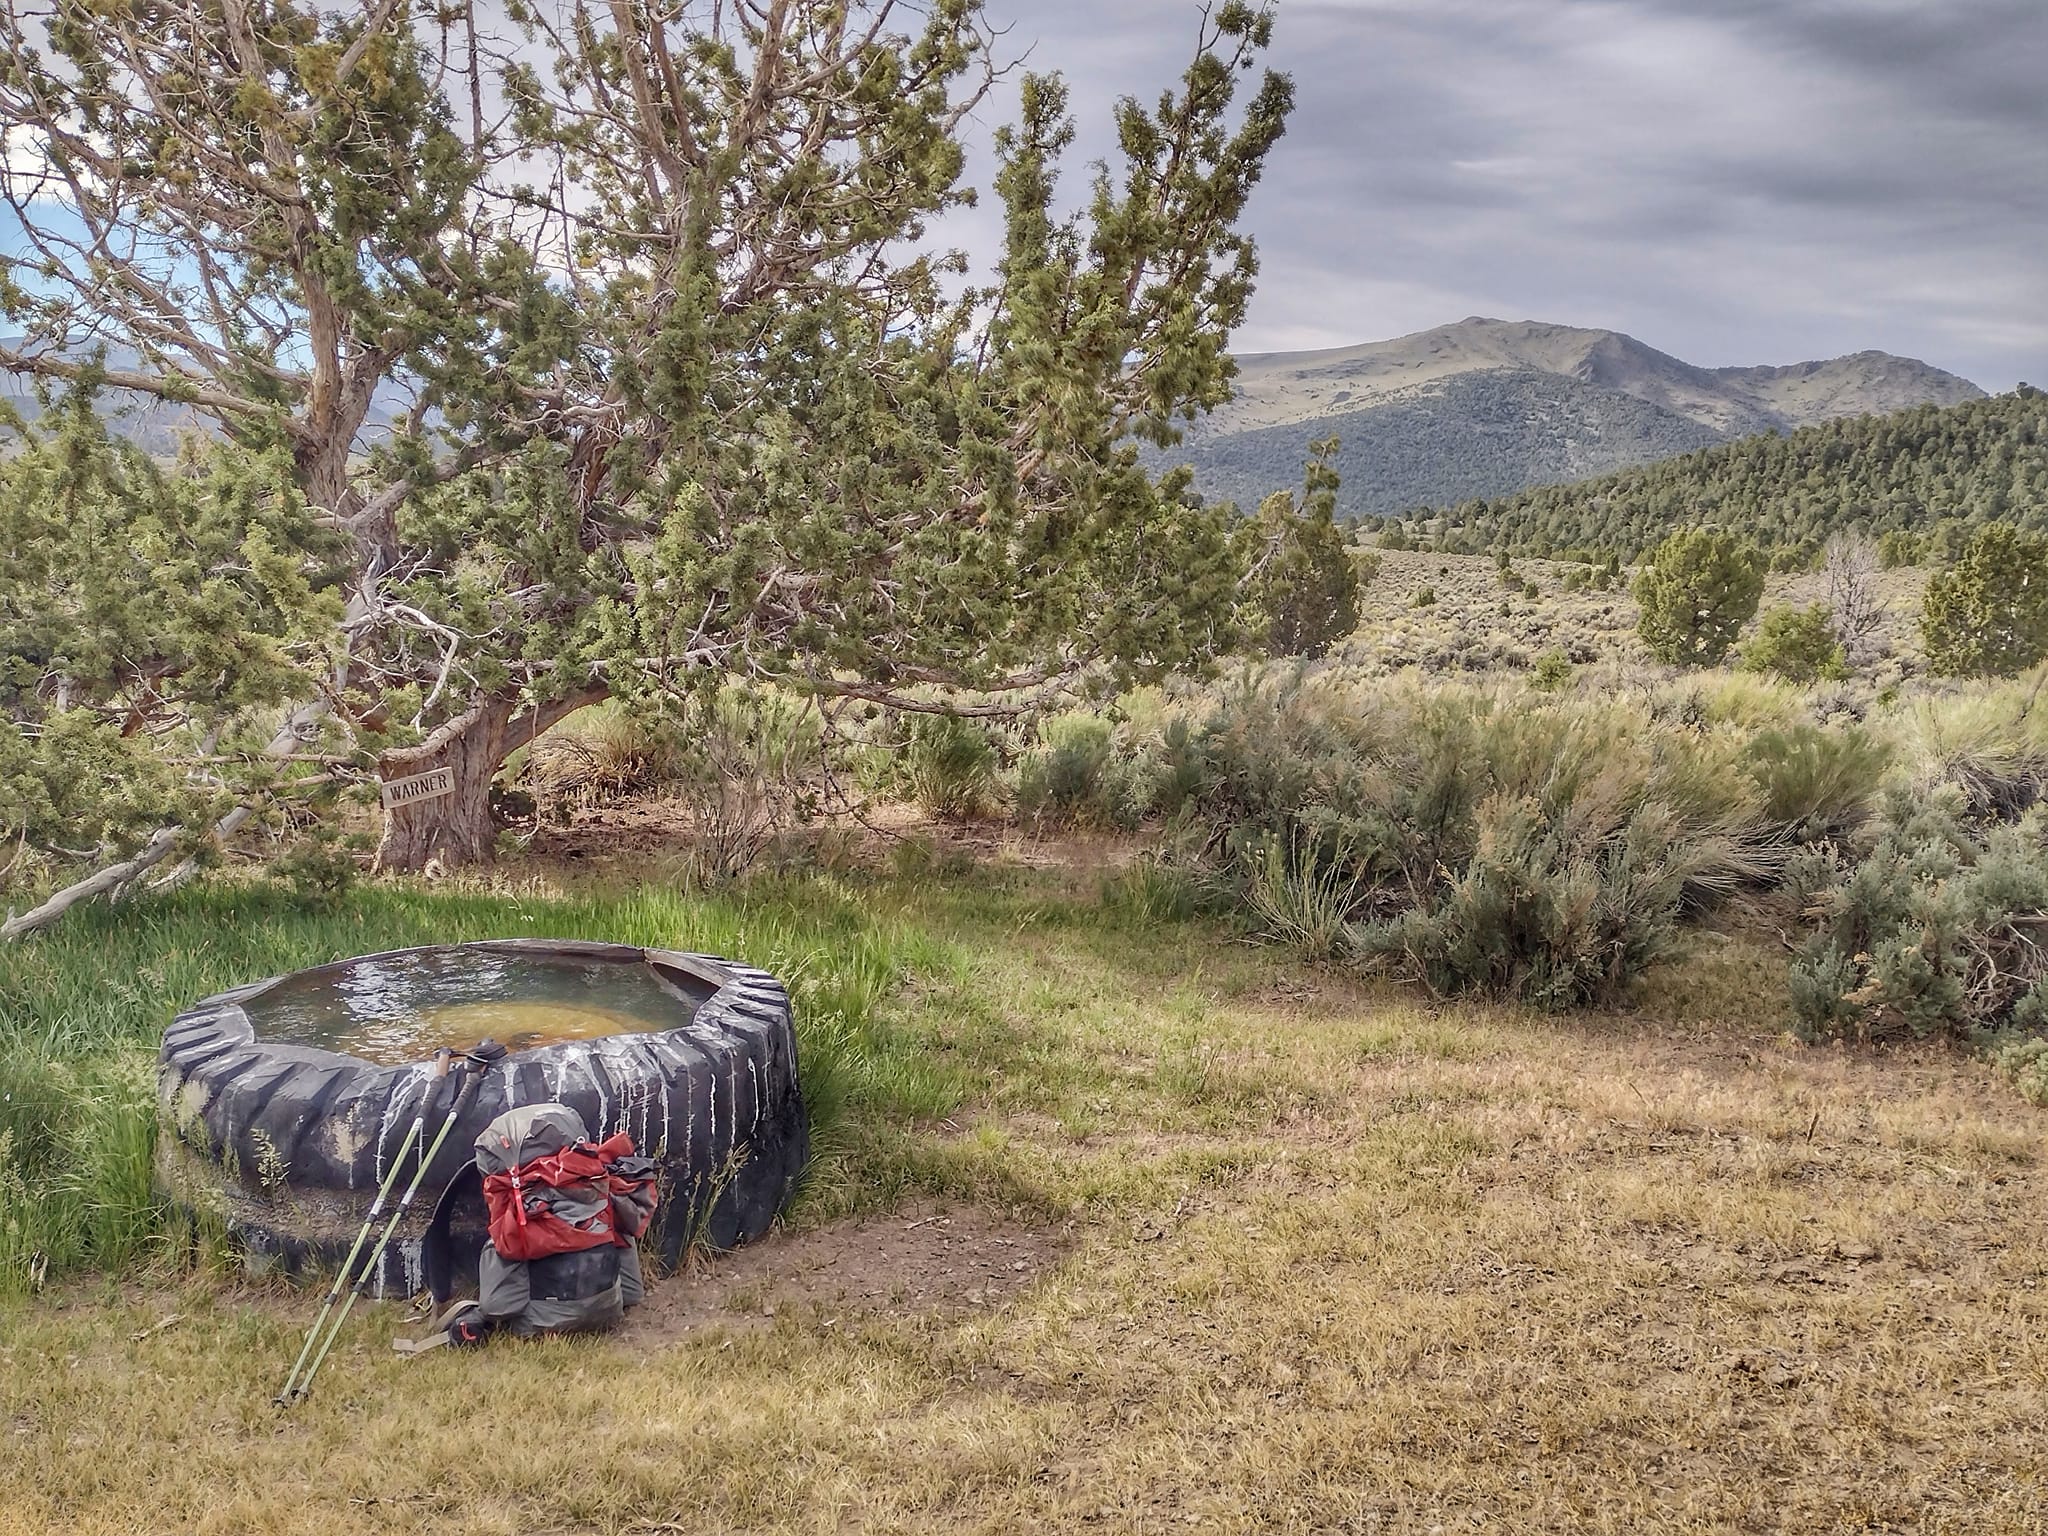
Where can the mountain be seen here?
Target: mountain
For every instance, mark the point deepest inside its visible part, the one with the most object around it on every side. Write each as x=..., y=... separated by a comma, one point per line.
x=1490, y=407
x=1912, y=471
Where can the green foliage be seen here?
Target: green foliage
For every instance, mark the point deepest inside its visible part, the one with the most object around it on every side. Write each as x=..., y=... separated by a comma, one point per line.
x=1152, y=890
x=152, y=620
x=319, y=868
x=1816, y=784
x=1425, y=597
x=1932, y=928
x=1991, y=744
x=866, y=442
x=1552, y=672
x=1796, y=644
x=1909, y=472
x=948, y=764
x=1514, y=845
x=1701, y=586
x=1898, y=548
x=1303, y=589
x=1301, y=896
x=1559, y=911
x=1987, y=614
x=1067, y=776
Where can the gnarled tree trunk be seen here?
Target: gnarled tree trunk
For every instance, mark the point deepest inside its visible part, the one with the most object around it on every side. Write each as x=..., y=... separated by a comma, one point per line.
x=448, y=823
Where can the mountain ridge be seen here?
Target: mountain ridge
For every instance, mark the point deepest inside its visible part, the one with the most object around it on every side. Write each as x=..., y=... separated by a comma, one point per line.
x=1487, y=407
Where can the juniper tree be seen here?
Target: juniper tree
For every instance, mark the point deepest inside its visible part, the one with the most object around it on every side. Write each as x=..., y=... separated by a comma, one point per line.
x=1987, y=613
x=689, y=394
x=270, y=218
x=152, y=618
x=1797, y=644
x=1302, y=585
x=1701, y=586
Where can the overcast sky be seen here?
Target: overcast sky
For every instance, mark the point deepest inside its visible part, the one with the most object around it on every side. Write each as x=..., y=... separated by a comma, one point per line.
x=1732, y=181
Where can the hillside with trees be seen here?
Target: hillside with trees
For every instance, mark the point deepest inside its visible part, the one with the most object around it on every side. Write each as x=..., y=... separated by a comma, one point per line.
x=1931, y=473
x=1471, y=435
x=1486, y=407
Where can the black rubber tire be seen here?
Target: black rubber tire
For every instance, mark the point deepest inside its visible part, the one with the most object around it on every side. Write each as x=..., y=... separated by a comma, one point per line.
x=286, y=1145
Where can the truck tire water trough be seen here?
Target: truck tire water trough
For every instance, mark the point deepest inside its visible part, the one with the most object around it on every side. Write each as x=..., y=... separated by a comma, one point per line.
x=282, y=1143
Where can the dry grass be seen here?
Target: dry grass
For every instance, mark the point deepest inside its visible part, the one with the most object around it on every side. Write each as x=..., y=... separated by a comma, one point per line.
x=1334, y=1261
x=1465, y=629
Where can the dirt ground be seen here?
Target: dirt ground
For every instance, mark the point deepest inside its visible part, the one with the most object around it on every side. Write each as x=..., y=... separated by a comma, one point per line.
x=942, y=1261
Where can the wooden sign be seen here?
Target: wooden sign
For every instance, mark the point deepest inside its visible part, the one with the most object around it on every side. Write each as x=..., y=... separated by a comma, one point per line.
x=431, y=785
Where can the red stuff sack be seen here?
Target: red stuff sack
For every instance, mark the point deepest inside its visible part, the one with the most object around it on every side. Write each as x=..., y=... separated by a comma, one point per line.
x=550, y=1190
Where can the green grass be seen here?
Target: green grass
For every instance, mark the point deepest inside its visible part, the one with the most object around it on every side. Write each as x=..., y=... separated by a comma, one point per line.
x=82, y=1009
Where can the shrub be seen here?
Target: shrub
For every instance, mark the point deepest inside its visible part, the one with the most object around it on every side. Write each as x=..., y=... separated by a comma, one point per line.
x=1560, y=912
x=1797, y=644
x=1518, y=845
x=752, y=769
x=1701, y=587
x=1553, y=670
x=1154, y=889
x=1992, y=746
x=1934, y=930
x=1816, y=784
x=319, y=868
x=1425, y=597
x=947, y=764
x=1061, y=778
x=2023, y=1060
x=600, y=755
x=1302, y=896
x=1987, y=614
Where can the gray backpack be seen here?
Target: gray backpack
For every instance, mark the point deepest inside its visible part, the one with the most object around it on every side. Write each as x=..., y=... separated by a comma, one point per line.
x=565, y=1214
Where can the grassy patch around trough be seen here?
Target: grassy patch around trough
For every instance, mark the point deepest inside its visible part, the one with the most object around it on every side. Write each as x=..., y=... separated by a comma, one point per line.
x=82, y=1008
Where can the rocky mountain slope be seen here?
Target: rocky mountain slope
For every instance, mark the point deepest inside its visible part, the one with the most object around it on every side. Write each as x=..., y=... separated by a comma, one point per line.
x=1489, y=407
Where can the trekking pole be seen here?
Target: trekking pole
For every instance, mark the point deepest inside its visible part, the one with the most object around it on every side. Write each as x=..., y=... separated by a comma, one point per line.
x=413, y=1134
x=478, y=1062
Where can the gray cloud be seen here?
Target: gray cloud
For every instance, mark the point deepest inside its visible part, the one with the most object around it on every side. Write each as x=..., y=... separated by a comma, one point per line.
x=1734, y=181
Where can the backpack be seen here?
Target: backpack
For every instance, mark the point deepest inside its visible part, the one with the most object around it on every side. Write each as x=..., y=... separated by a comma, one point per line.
x=564, y=1213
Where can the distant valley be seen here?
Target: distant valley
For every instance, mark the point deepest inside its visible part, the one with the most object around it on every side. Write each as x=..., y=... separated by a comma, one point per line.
x=1486, y=408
